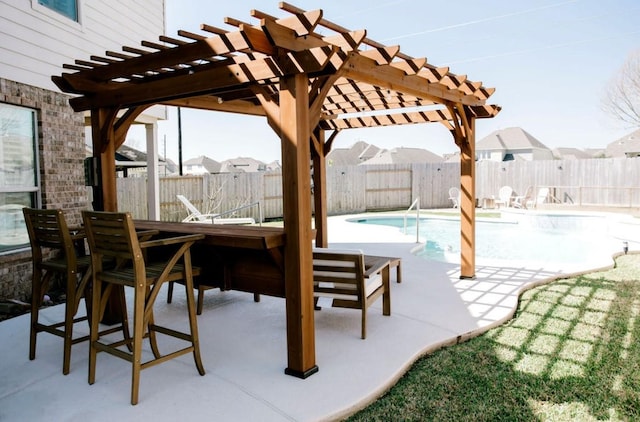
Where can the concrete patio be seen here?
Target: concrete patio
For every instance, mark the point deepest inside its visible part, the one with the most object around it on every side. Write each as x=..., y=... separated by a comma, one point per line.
x=243, y=347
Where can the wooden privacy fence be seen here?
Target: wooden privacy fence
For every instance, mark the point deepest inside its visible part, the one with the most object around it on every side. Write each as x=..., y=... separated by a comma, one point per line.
x=354, y=189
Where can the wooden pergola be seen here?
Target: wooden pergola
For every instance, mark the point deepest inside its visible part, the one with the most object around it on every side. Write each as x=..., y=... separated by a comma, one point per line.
x=307, y=76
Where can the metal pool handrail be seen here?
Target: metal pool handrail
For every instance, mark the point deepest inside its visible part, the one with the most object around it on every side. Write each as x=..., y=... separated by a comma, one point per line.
x=415, y=203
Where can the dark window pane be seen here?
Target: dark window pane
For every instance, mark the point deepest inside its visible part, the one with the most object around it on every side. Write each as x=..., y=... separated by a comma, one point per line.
x=68, y=8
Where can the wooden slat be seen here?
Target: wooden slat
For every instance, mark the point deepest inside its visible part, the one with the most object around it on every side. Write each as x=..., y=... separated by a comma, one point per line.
x=382, y=55
x=212, y=46
x=183, y=85
x=284, y=37
x=386, y=120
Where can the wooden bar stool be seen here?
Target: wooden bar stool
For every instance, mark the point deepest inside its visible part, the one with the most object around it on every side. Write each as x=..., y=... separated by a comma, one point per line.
x=113, y=235
x=53, y=252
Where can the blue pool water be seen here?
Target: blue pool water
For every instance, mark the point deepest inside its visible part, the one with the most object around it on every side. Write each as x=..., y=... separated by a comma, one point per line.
x=565, y=243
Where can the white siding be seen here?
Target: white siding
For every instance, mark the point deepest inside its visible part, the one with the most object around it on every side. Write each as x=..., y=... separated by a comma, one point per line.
x=35, y=42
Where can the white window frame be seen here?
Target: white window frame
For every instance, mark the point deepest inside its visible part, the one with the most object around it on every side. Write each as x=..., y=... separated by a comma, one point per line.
x=13, y=211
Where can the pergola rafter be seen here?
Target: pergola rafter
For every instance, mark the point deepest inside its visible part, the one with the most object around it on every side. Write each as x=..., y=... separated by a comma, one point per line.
x=306, y=75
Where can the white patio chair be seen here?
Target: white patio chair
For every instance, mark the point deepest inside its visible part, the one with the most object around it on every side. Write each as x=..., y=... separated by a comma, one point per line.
x=540, y=198
x=454, y=196
x=504, y=196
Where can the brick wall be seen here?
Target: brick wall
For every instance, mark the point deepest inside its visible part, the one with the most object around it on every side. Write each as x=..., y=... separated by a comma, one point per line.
x=61, y=151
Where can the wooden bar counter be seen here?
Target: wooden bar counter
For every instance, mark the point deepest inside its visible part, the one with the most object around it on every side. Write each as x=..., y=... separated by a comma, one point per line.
x=246, y=258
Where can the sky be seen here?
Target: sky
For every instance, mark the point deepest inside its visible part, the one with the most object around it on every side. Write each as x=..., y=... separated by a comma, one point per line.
x=549, y=60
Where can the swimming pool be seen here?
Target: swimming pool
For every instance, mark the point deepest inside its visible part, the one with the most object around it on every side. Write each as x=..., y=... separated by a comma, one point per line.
x=544, y=238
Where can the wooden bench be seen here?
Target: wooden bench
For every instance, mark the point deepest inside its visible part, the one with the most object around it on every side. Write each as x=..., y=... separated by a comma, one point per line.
x=343, y=277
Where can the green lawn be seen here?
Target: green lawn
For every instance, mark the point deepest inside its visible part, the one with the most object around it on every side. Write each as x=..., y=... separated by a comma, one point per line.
x=572, y=353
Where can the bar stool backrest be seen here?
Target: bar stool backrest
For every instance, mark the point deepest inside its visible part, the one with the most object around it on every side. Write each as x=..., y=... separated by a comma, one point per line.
x=48, y=229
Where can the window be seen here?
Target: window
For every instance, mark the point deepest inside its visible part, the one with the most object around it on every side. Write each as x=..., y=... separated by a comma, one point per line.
x=18, y=173
x=68, y=8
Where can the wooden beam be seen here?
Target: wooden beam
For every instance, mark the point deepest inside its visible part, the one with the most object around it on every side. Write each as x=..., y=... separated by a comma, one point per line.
x=328, y=145
x=215, y=103
x=286, y=38
x=257, y=39
x=296, y=156
x=320, y=89
x=363, y=69
x=307, y=61
x=270, y=106
x=122, y=125
x=485, y=112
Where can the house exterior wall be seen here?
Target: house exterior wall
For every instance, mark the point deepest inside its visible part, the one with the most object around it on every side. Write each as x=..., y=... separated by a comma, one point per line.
x=60, y=144
x=195, y=169
x=34, y=44
x=518, y=154
x=35, y=41
x=496, y=155
x=522, y=154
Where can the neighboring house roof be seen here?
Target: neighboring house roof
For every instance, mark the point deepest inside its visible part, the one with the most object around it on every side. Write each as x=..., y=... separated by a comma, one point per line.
x=453, y=157
x=368, y=152
x=126, y=153
x=211, y=166
x=274, y=165
x=512, y=138
x=627, y=146
x=404, y=156
x=596, y=152
x=243, y=164
x=172, y=167
x=128, y=157
x=571, y=154
x=354, y=155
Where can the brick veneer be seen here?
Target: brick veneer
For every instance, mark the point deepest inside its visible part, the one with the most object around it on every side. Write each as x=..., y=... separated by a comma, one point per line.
x=61, y=151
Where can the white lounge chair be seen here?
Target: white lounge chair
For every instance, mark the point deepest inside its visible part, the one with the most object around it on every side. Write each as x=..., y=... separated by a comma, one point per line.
x=528, y=201
x=540, y=198
x=195, y=216
x=522, y=200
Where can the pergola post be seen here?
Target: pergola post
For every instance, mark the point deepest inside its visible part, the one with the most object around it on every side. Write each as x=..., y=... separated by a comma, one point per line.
x=103, y=137
x=298, y=258
x=468, y=200
x=153, y=174
x=320, y=188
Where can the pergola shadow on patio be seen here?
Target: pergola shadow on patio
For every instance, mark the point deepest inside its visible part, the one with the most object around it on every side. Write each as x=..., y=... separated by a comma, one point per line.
x=306, y=75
